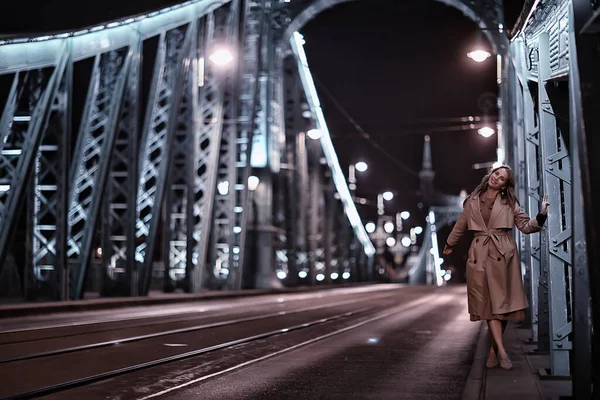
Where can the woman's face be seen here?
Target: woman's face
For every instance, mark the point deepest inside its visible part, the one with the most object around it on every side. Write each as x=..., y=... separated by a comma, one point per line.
x=498, y=179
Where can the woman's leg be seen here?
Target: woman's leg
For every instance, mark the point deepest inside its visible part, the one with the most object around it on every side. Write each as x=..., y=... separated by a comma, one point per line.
x=495, y=327
x=494, y=347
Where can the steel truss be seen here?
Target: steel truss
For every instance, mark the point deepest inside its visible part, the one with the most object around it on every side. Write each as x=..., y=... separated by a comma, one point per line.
x=545, y=55
x=131, y=198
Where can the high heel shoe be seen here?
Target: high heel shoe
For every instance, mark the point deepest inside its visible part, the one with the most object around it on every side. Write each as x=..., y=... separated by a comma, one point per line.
x=505, y=363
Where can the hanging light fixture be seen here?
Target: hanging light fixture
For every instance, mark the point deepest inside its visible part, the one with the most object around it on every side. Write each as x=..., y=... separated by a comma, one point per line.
x=479, y=54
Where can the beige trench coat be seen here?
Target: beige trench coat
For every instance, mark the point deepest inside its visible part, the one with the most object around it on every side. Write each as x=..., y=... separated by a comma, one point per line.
x=493, y=255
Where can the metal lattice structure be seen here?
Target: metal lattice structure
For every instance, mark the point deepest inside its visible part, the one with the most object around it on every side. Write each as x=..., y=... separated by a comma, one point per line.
x=150, y=185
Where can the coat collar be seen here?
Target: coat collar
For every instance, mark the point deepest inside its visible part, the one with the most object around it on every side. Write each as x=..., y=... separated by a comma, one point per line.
x=494, y=214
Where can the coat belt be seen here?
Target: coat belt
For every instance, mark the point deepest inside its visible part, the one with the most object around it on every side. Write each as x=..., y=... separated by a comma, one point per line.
x=494, y=236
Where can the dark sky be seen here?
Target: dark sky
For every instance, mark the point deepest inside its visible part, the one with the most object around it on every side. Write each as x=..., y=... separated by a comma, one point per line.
x=392, y=65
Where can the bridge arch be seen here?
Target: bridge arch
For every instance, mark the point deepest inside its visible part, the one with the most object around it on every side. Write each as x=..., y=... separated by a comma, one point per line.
x=485, y=13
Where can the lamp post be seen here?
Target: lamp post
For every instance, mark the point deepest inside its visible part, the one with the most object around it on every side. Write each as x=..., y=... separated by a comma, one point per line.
x=479, y=55
x=360, y=166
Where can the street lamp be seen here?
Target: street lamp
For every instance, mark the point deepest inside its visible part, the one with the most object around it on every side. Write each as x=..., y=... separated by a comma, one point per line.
x=370, y=227
x=387, y=196
x=253, y=182
x=314, y=134
x=486, y=131
x=388, y=227
x=406, y=242
x=479, y=55
x=221, y=57
x=361, y=166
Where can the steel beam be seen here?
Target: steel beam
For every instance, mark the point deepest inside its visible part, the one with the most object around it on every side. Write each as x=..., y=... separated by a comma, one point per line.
x=207, y=144
x=557, y=238
x=45, y=268
x=538, y=294
x=253, y=22
x=177, y=227
x=91, y=159
x=120, y=272
x=25, y=114
x=584, y=88
x=171, y=66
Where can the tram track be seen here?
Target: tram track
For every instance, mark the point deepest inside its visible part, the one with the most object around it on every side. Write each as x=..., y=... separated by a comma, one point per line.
x=160, y=333
x=157, y=317
x=286, y=328
x=218, y=336
x=109, y=374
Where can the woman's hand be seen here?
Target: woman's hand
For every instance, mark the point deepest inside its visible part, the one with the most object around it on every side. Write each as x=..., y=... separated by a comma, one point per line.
x=545, y=205
x=447, y=249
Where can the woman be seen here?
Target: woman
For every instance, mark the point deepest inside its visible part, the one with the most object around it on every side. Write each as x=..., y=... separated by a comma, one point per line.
x=494, y=285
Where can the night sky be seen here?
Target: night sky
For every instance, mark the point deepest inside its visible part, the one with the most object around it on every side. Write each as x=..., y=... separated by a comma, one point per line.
x=395, y=67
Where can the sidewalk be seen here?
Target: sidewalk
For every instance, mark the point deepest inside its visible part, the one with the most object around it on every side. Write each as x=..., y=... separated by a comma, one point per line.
x=523, y=381
x=36, y=308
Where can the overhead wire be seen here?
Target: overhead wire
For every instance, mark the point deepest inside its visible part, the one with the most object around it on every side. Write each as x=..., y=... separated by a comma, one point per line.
x=362, y=132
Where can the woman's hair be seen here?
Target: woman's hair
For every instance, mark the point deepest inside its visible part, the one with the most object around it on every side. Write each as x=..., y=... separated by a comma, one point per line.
x=508, y=193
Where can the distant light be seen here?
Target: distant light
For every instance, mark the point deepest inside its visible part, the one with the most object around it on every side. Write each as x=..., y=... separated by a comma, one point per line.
x=253, y=182
x=406, y=242
x=388, y=227
x=320, y=277
x=388, y=196
x=315, y=134
x=479, y=55
x=221, y=57
x=302, y=274
x=370, y=227
x=390, y=241
x=372, y=340
x=223, y=188
x=237, y=229
x=486, y=131
x=346, y=275
x=447, y=277
x=405, y=215
x=281, y=275
x=361, y=166
x=334, y=275
x=418, y=230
